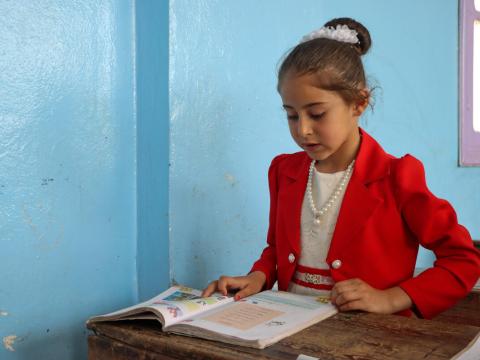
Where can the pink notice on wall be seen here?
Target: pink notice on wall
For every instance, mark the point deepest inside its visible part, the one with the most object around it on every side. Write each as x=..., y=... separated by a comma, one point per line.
x=469, y=83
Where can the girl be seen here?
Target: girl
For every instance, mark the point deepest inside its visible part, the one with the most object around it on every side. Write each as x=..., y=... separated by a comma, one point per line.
x=346, y=218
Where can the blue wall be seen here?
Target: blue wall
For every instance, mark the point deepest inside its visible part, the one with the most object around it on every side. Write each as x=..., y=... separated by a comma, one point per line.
x=78, y=146
x=227, y=122
x=152, y=121
x=94, y=110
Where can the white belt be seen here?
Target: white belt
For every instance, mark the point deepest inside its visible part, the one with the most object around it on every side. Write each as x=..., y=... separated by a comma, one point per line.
x=314, y=278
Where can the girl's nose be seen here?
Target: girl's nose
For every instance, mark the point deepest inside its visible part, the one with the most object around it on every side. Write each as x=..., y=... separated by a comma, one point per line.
x=304, y=126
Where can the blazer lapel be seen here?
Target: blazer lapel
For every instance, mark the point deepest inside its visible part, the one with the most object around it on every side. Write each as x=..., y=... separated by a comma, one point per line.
x=292, y=197
x=372, y=163
x=357, y=206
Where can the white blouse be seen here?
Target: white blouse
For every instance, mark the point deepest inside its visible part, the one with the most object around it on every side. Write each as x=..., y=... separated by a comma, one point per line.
x=315, y=238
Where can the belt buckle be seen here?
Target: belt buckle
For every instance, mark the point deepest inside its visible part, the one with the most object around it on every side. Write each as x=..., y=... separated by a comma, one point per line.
x=312, y=278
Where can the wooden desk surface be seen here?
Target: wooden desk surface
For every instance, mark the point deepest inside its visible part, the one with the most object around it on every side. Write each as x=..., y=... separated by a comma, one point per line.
x=465, y=312
x=354, y=335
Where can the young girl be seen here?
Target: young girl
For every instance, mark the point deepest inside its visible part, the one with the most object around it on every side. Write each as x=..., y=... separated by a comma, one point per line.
x=346, y=218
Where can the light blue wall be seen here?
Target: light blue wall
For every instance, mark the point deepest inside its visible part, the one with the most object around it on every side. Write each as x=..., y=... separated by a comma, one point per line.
x=85, y=207
x=71, y=127
x=227, y=122
x=152, y=145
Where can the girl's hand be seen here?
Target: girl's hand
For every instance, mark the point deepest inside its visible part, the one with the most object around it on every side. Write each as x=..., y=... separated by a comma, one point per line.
x=356, y=294
x=248, y=285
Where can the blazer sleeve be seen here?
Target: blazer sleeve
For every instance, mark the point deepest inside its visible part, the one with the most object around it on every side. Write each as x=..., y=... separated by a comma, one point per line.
x=267, y=263
x=433, y=222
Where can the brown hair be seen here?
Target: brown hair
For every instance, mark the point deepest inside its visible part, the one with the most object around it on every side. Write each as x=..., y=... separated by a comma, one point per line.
x=337, y=64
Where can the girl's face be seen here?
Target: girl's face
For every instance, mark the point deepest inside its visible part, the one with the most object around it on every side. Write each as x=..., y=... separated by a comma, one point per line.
x=320, y=121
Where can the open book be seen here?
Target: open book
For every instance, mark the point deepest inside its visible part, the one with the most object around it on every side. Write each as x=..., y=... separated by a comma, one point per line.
x=256, y=321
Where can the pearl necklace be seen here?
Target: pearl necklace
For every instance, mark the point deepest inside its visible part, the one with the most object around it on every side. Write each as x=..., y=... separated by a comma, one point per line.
x=333, y=197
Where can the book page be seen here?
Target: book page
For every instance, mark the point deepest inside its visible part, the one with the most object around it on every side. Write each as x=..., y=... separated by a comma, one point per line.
x=175, y=304
x=185, y=302
x=243, y=316
x=267, y=315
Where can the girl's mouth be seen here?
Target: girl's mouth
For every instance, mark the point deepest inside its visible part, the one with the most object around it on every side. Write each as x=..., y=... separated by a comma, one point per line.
x=311, y=146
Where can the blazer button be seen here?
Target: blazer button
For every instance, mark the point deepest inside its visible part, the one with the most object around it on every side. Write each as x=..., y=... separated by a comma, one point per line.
x=291, y=258
x=336, y=264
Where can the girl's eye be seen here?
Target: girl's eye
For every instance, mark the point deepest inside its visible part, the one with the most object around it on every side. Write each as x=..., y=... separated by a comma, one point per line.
x=313, y=116
x=317, y=116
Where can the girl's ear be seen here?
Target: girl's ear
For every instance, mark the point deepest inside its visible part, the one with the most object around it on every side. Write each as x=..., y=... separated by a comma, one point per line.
x=360, y=107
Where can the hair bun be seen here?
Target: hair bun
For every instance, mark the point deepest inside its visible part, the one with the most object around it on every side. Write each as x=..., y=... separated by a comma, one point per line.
x=365, y=42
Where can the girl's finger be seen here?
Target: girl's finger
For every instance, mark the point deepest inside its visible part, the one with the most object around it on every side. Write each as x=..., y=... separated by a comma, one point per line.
x=226, y=283
x=209, y=289
x=346, y=297
x=352, y=305
x=247, y=291
x=345, y=285
x=337, y=291
x=222, y=285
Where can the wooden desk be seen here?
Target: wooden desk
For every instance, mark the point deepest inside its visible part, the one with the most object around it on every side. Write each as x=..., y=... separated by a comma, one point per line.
x=466, y=312
x=354, y=335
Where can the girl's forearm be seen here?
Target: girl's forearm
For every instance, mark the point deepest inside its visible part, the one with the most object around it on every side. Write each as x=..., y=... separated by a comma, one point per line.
x=398, y=299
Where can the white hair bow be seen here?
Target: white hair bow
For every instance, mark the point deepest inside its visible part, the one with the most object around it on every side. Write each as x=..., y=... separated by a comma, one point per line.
x=341, y=33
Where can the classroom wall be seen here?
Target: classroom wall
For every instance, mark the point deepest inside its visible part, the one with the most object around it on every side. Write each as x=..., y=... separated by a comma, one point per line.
x=227, y=122
x=80, y=155
x=152, y=122
x=99, y=115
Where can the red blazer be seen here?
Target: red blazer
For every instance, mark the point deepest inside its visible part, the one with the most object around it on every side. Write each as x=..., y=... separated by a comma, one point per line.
x=387, y=211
